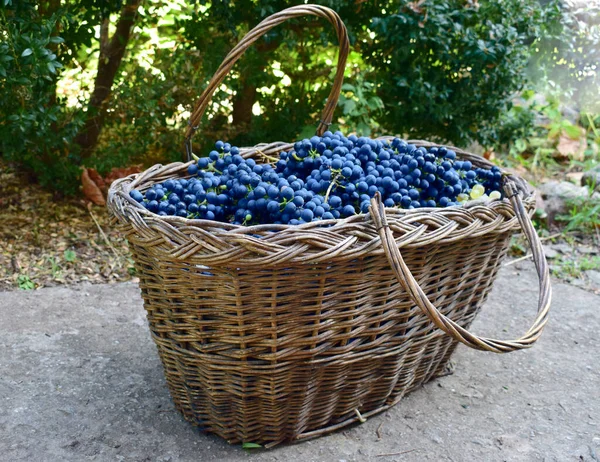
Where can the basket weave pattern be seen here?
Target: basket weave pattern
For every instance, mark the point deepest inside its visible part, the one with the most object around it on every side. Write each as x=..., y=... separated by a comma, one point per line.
x=273, y=333
x=272, y=336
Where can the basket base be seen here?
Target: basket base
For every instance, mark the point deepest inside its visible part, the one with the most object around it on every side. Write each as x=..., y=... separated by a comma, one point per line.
x=316, y=408
x=443, y=370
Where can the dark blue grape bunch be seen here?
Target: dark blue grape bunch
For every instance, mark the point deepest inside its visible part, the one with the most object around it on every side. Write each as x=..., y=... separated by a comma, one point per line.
x=322, y=178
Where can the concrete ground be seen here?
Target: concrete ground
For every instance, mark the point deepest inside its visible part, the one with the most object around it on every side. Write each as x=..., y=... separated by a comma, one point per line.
x=80, y=380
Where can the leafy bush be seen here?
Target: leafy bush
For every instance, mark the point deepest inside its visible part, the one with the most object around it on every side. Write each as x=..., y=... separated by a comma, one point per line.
x=442, y=69
x=144, y=124
x=448, y=69
x=567, y=53
x=36, y=129
x=561, y=103
x=360, y=106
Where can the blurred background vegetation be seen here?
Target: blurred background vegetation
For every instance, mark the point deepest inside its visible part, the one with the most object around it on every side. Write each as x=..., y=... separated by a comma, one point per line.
x=107, y=84
x=91, y=90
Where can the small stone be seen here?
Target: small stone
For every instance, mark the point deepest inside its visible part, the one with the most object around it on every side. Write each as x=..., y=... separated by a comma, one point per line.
x=575, y=177
x=593, y=276
x=557, y=196
x=562, y=189
x=592, y=178
x=578, y=282
x=549, y=252
x=437, y=439
x=587, y=250
x=562, y=247
x=571, y=114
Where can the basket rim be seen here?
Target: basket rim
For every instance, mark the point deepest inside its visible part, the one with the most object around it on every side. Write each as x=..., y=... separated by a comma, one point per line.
x=309, y=241
x=123, y=186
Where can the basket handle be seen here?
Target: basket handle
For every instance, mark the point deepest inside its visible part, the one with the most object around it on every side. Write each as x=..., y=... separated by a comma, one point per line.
x=457, y=332
x=253, y=36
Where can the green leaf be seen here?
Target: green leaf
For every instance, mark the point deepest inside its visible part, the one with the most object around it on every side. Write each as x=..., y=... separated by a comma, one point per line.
x=56, y=40
x=572, y=131
x=363, y=129
x=51, y=68
x=70, y=255
x=553, y=132
x=25, y=283
x=349, y=106
x=26, y=52
x=251, y=446
x=308, y=131
x=520, y=145
x=375, y=103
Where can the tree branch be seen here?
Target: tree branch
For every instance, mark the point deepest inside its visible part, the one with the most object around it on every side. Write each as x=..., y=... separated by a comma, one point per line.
x=111, y=55
x=104, y=37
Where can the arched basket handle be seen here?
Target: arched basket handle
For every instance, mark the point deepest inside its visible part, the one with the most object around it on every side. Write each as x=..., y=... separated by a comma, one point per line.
x=407, y=280
x=253, y=36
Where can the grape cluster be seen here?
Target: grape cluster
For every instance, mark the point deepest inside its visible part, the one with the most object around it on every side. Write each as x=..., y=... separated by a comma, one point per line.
x=321, y=178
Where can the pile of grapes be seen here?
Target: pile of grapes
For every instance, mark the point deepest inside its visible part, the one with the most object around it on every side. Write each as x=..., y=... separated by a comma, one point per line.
x=322, y=178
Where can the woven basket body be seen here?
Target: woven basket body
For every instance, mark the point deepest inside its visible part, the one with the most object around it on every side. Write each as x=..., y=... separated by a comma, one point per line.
x=270, y=354
x=274, y=333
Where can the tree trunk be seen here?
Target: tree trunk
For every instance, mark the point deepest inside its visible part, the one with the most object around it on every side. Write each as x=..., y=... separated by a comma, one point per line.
x=242, y=105
x=111, y=55
x=247, y=95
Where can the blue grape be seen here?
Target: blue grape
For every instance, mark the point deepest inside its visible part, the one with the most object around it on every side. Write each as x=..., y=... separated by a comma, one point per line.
x=307, y=215
x=350, y=170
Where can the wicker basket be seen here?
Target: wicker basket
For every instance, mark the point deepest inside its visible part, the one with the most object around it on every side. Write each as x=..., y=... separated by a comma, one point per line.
x=275, y=333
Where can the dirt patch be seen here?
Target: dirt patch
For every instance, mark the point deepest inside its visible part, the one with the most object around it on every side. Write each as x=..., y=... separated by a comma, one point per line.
x=46, y=241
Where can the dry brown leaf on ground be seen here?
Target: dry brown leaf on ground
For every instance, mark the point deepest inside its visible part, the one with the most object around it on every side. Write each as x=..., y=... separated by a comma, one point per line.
x=489, y=154
x=91, y=189
x=117, y=173
x=571, y=148
x=97, y=178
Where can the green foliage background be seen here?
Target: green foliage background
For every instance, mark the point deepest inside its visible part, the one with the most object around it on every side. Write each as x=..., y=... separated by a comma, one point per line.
x=446, y=70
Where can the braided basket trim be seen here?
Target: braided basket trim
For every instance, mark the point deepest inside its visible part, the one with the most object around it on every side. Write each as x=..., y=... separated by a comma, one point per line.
x=215, y=243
